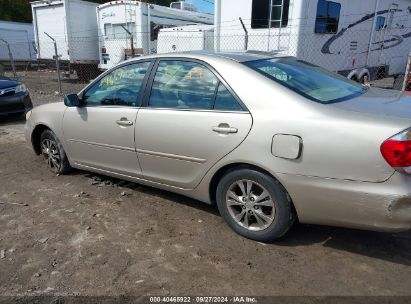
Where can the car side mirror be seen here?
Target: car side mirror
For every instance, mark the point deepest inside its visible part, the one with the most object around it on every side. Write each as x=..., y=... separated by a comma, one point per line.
x=72, y=100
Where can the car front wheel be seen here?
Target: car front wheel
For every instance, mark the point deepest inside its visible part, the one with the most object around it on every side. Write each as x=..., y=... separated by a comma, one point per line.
x=53, y=153
x=254, y=205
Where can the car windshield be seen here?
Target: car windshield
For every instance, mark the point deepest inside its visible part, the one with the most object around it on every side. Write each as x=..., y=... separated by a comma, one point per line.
x=308, y=80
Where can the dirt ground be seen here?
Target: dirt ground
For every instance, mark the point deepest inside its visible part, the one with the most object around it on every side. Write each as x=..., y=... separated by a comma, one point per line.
x=82, y=234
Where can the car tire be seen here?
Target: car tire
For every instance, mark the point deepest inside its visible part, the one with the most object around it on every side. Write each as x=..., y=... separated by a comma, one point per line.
x=53, y=153
x=267, y=210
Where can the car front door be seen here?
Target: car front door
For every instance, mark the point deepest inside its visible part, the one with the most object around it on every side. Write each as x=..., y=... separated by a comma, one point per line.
x=100, y=133
x=189, y=121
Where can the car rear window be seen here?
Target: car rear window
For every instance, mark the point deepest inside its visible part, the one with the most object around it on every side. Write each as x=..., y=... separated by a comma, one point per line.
x=308, y=80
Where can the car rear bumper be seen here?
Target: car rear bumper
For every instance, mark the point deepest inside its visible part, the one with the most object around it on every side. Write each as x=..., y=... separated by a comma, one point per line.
x=382, y=206
x=17, y=103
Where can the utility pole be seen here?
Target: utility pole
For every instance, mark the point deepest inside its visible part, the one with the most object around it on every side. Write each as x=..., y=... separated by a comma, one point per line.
x=131, y=40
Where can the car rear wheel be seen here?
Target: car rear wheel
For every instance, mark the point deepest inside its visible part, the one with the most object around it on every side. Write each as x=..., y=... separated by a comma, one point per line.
x=255, y=205
x=53, y=153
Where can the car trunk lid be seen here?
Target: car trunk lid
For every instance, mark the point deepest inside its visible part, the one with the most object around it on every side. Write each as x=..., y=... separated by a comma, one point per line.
x=380, y=102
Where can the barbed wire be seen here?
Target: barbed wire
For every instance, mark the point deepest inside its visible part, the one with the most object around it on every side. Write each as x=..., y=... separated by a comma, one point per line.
x=62, y=37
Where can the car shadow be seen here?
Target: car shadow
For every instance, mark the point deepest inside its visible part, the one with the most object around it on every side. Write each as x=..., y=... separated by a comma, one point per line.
x=392, y=247
x=102, y=180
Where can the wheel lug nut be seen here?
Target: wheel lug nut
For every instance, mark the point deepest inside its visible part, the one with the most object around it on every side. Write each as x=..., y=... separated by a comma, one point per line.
x=255, y=207
x=244, y=199
x=252, y=199
x=250, y=212
x=243, y=207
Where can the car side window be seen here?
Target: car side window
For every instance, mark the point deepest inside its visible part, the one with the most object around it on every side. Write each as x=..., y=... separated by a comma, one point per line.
x=225, y=101
x=183, y=85
x=121, y=87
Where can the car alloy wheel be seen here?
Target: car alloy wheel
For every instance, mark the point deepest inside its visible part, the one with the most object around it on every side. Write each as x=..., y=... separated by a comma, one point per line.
x=250, y=205
x=51, y=154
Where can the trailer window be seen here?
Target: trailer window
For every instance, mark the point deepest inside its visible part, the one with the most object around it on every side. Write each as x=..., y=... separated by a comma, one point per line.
x=328, y=17
x=116, y=31
x=176, y=5
x=308, y=80
x=120, y=32
x=379, y=23
x=108, y=30
x=260, y=14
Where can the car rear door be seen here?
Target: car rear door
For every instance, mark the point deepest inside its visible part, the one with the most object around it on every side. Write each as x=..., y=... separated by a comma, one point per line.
x=100, y=133
x=190, y=120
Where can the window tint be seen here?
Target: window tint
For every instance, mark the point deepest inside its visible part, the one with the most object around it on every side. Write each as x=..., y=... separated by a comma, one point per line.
x=308, y=80
x=121, y=87
x=225, y=100
x=379, y=23
x=260, y=15
x=183, y=85
x=328, y=16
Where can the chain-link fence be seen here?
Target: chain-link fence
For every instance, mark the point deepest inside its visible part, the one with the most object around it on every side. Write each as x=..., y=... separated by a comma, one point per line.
x=62, y=67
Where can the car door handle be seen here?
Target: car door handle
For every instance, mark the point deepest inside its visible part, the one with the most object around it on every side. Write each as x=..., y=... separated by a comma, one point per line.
x=124, y=122
x=224, y=129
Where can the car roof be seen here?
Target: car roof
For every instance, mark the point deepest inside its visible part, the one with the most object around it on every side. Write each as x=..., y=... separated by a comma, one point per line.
x=243, y=56
x=239, y=56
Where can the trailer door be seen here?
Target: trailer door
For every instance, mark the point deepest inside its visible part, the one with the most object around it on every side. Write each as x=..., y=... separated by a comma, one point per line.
x=52, y=20
x=384, y=38
x=395, y=51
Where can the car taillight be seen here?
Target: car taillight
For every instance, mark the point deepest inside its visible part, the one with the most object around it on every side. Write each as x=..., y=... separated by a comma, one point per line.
x=103, y=50
x=397, y=150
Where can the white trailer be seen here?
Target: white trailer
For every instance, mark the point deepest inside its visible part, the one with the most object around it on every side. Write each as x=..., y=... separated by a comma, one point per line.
x=73, y=24
x=354, y=38
x=20, y=37
x=185, y=38
x=130, y=28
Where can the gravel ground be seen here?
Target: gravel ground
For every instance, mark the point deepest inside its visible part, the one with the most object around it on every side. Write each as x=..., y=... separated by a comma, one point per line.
x=82, y=234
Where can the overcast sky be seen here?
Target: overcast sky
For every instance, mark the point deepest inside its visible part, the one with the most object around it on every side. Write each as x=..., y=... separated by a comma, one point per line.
x=204, y=6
